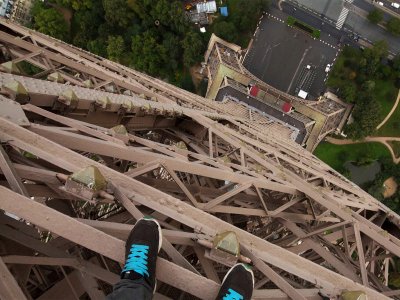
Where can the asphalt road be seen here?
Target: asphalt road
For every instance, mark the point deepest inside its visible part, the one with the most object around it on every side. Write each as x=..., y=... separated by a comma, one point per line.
x=356, y=23
x=327, y=29
x=388, y=4
x=279, y=56
x=371, y=32
x=364, y=5
x=329, y=32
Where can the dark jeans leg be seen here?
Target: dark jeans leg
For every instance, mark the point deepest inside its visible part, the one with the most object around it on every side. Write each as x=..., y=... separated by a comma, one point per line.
x=127, y=289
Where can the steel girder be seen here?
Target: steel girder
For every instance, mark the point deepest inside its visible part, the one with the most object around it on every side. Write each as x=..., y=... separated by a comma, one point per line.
x=305, y=228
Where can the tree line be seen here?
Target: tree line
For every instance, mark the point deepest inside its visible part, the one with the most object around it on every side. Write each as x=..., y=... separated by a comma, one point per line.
x=355, y=78
x=150, y=36
x=153, y=36
x=392, y=25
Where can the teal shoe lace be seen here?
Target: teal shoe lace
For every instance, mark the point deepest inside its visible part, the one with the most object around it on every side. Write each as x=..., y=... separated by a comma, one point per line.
x=232, y=295
x=137, y=260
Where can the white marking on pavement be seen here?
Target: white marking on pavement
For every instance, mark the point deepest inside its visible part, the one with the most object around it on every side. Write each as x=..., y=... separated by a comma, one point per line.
x=343, y=15
x=298, y=67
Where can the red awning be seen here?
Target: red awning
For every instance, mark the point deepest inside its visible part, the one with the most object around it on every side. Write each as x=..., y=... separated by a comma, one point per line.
x=286, y=107
x=254, y=90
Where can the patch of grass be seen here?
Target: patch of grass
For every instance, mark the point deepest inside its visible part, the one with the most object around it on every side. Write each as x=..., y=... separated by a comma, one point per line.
x=396, y=147
x=392, y=126
x=333, y=80
x=385, y=92
x=290, y=21
x=336, y=155
x=315, y=33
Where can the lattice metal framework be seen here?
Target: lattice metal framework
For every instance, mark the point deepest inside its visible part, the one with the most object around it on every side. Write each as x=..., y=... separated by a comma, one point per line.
x=199, y=167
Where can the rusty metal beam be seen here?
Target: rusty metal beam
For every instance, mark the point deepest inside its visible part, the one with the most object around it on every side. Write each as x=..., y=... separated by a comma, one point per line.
x=10, y=173
x=78, y=232
x=219, y=165
x=9, y=288
x=189, y=215
x=273, y=276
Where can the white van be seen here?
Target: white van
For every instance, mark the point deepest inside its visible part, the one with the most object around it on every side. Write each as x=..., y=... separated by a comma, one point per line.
x=395, y=5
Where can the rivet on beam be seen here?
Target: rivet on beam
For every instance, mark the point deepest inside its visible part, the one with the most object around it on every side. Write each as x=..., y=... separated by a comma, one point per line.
x=181, y=145
x=17, y=91
x=87, y=184
x=68, y=99
x=225, y=249
x=56, y=77
x=120, y=132
x=147, y=108
x=10, y=67
x=353, y=295
x=125, y=107
x=88, y=84
x=104, y=102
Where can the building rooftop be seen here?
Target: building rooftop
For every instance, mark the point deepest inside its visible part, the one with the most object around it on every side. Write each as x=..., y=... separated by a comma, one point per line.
x=224, y=65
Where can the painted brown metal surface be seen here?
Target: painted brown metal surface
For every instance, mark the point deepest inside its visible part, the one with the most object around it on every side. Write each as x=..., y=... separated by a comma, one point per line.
x=199, y=167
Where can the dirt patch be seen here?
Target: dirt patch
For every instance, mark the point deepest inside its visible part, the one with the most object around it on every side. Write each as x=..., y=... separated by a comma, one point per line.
x=196, y=76
x=390, y=186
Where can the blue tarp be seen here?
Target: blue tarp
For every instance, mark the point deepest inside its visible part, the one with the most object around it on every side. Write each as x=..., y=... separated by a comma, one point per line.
x=224, y=11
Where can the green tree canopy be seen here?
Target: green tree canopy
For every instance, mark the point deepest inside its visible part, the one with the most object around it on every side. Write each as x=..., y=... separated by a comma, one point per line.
x=375, y=16
x=86, y=24
x=349, y=92
x=226, y=31
x=396, y=63
x=372, y=58
x=162, y=41
x=50, y=21
x=147, y=53
x=170, y=14
x=74, y=4
x=366, y=118
x=245, y=14
x=193, y=49
x=393, y=26
x=173, y=51
x=117, y=12
x=115, y=48
x=98, y=46
x=141, y=7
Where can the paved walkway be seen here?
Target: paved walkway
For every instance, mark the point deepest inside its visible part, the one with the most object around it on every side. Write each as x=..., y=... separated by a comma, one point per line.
x=390, y=113
x=379, y=139
x=369, y=139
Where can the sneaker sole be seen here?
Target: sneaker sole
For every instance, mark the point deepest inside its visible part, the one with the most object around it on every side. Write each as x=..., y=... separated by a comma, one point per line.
x=245, y=267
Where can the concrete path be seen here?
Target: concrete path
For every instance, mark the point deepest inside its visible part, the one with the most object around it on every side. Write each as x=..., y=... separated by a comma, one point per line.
x=369, y=139
x=379, y=139
x=390, y=113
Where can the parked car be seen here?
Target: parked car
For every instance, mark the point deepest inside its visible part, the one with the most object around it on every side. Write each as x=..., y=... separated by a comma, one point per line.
x=395, y=5
x=328, y=68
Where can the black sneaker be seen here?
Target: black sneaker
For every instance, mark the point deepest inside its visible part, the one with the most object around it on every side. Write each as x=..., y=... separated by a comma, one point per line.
x=141, y=250
x=238, y=284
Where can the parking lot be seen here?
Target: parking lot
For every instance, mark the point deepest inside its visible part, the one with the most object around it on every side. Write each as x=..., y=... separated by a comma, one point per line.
x=289, y=59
